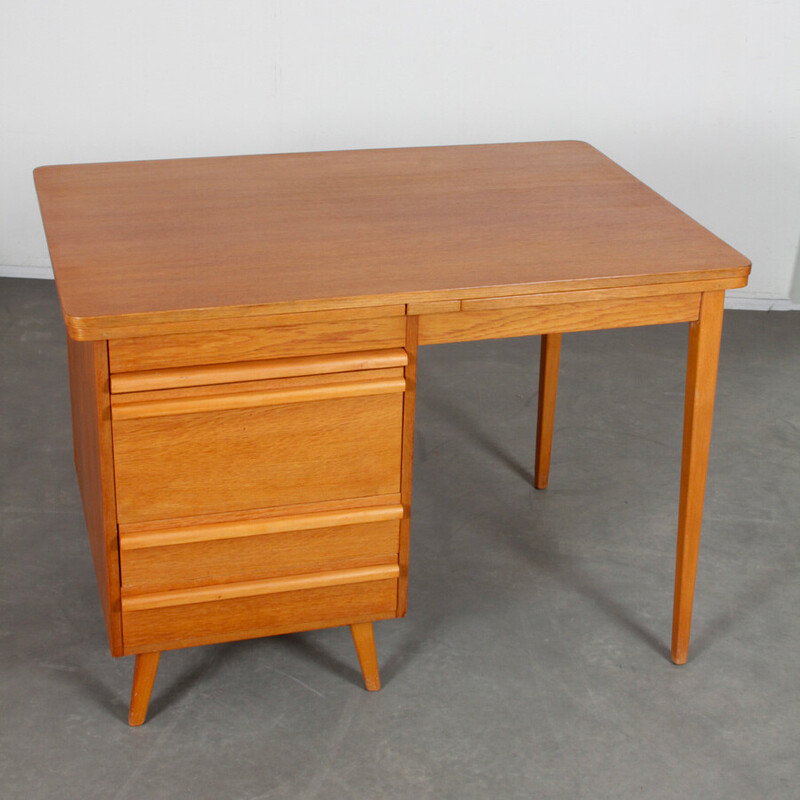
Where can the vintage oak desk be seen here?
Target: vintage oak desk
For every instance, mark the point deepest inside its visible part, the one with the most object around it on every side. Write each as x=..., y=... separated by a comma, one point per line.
x=243, y=337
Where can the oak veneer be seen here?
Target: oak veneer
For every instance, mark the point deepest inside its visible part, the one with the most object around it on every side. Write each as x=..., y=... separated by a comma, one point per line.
x=406, y=466
x=539, y=299
x=217, y=374
x=123, y=399
x=243, y=348
x=467, y=326
x=215, y=461
x=133, y=537
x=272, y=554
x=288, y=514
x=229, y=401
x=268, y=341
x=254, y=615
x=94, y=465
x=305, y=231
x=433, y=307
x=228, y=591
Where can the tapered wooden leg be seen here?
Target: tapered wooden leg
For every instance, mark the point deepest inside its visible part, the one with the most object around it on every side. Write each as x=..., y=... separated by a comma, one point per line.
x=701, y=379
x=144, y=673
x=364, y=640
x=548, y=383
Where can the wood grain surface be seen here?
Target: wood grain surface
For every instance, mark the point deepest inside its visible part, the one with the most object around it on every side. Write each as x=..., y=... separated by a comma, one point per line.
x=364, y=640
x=258, y=615
x=144, y=674
x=238, y=459
x=309, y=337
x=407, y=466
x=470, y=326
x=701, y=381
x=281, y=585
x=258, y=516
x=165, y=536
x=271, y=555
x=132, y=244
x=227, y=401
x=123, y=399
x=273, y=369
x=94, y=464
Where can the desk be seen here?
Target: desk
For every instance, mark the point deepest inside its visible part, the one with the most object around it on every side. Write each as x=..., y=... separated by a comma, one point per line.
x=242, y=339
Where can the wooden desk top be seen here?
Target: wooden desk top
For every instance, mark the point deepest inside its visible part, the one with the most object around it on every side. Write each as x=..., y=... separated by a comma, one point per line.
x=140, y=243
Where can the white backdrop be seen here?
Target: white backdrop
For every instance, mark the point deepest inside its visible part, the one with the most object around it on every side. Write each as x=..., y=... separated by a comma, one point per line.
x=700, y=99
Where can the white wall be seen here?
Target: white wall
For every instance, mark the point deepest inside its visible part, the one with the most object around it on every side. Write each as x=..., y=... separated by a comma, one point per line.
x=699, y=98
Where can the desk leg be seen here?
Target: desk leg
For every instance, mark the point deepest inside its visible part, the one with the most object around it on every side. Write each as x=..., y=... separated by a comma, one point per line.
x=701, y=379
x=364, y=640
x=548, y=382
x=144, y=674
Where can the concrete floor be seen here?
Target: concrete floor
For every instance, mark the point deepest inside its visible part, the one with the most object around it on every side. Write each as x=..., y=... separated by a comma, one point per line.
x=534, y=659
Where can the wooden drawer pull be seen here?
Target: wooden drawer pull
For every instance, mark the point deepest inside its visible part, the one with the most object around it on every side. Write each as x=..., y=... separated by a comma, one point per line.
x=148, y=380
x=235, y=530
x=207, y=594
x=274, y=397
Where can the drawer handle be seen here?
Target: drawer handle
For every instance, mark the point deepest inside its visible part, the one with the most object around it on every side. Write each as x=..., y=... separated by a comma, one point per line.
x=148, y=380
x=230, y=591
x=224, y=402
x=191, y=534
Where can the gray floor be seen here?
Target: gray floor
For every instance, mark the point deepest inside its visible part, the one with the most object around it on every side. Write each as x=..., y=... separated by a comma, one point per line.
x=534, y=659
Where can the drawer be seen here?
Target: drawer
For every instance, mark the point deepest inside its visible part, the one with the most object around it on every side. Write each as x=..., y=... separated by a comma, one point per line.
x=497, y=318
x=190, y=452
x=224, y=552
x=314, y=333
x=246, y=610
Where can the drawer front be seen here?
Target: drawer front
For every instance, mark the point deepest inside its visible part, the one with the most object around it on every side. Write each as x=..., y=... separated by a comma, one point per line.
x=186, y=462
x=164, y=627
x=491, y=319
x=158, y=560
x=299, y=335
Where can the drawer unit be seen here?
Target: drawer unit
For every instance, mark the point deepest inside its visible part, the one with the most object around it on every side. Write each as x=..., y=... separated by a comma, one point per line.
x=257, y=494
x=258, y=497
